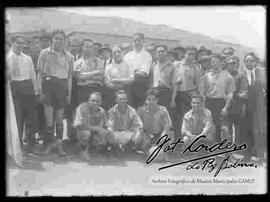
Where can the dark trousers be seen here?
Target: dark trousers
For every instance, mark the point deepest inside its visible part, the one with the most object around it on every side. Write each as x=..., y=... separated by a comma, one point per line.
x=24, y=104
x=182, y=101
x=70, y=110
x=138, y=88
x=215, y=105
x=164, y=96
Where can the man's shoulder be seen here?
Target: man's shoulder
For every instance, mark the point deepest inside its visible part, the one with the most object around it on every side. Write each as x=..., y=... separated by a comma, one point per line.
x=103, y=111
x=188, y=114
x=112, y=109
x=206, y=111
x=131, y=109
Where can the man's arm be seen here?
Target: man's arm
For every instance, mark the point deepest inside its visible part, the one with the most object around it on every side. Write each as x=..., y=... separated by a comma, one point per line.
x=167, y=122
x=40, y=69
x=186, y=128
x=209, y=128
x=33, y=76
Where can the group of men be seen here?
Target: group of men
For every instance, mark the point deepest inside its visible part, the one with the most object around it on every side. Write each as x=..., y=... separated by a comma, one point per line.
x=118, y=99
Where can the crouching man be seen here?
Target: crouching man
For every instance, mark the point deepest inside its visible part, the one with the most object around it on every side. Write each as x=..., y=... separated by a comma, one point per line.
x=156, y=121
x=198, y=122
x=125, y=124
x=90, y=123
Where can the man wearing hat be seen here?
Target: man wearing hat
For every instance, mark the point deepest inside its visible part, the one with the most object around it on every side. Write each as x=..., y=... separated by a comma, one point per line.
x=106, y=54
x=203, y=52
x=96, y=47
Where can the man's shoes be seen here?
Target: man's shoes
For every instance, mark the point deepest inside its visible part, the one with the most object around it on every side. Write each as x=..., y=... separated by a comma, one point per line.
x=85, y=155
x=49, y=148
x=60, y=148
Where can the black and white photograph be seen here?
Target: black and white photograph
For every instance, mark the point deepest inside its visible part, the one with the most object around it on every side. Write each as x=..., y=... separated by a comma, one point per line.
x=135, y=101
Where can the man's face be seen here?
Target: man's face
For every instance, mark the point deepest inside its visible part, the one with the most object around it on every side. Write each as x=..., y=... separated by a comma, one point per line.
x=190, y=55
x=18, y=44
x=171, y=57
x=58, y=41
x=161, y=53
x=152, y=101
x=205, y=64
x=88, y=48
x=250, y=62
x=232, y=67
x=117, y=54
x=227, y=53
x=215, y=63
x=138, y=42
x=94, y=101
x=180, y=54
x=121, y=99
x=74, y=48
x=106, y=54
x=196, y=104
x=96, y=49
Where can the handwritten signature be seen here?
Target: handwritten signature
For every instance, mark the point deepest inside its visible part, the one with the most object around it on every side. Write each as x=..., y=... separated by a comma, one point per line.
x=222, y=147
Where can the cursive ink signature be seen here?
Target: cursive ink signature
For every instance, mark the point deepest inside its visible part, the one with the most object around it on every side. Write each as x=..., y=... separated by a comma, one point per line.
x=222, y=147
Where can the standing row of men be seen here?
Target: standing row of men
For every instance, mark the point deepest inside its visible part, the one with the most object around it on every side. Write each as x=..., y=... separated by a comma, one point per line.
x=63, y=81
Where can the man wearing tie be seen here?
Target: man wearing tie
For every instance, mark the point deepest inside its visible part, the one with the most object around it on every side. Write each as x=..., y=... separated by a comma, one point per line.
x=256, y=108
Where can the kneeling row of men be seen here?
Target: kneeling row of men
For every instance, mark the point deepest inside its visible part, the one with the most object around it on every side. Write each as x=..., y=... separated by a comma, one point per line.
x=123, y=128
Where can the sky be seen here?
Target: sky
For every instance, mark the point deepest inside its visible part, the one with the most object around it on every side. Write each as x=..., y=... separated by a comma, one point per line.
x=244, y=25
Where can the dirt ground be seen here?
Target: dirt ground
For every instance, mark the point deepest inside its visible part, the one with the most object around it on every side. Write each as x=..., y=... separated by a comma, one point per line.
x=129, y=175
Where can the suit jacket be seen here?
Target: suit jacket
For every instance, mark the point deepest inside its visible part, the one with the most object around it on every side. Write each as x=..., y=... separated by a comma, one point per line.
x=256, y=109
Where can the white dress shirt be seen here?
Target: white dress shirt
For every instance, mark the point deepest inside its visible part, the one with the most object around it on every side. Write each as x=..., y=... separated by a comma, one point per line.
x=139, y=61
x=249, y=72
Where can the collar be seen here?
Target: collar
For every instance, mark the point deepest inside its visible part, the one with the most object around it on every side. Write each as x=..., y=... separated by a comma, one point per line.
x=13, y=53
x=142, y=50
x=113, y=62
x=53, y=51
x=199, y=112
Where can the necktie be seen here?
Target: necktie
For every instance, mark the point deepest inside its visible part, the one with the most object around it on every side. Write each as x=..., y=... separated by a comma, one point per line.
x=252, y=78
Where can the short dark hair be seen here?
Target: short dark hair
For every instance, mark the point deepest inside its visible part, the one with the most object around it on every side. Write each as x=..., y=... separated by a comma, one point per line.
x=152, y=91
x=161, y=45
x=139, y=34
x=121, y=91
x=97, y=43
x=197, y=96
x=58, y=31
x=95, y=93
x=87, y=39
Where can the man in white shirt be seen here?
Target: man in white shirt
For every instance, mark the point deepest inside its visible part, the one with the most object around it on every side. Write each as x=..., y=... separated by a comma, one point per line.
x=140, y=61
x=118, y=75
x=22, y=76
